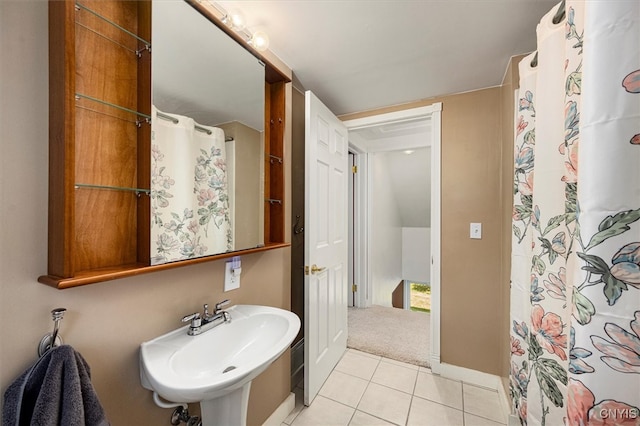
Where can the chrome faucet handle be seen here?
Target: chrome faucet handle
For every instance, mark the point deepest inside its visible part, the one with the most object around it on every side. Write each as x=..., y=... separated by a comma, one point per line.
x=196, y=323
x=206, y=314
x=195, y=319
x=220, y=305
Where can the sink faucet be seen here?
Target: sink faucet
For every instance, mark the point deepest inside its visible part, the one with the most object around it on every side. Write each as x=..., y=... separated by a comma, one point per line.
x=207, y=321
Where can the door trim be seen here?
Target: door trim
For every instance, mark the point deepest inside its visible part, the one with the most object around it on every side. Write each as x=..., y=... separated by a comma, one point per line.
x=361, y=227
x=363, y=186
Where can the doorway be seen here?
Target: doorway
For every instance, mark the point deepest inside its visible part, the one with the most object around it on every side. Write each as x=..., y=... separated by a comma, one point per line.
x=364, y=149
x=360, y=275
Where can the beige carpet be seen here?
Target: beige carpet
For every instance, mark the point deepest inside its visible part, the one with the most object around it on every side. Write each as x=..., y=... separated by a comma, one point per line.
x=394, y=333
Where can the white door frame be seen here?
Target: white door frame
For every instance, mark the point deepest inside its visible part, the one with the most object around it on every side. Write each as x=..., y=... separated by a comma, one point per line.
x=361, y=229
x=362, y=272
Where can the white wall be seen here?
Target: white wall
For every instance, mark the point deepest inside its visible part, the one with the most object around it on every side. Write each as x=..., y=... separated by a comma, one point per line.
x=416, y=254
x=386, y=239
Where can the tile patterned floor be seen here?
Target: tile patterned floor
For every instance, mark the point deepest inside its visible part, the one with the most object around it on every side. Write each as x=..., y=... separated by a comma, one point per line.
x=368, y=390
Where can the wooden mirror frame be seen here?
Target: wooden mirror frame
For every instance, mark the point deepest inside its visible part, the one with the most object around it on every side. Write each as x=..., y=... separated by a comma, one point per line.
x=99, y=234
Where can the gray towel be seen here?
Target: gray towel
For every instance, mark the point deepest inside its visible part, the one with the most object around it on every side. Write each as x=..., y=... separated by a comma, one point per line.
x=55, y=391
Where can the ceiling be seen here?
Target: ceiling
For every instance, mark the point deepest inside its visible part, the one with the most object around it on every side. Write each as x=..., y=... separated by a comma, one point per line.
x=357, y=55
x=394, y=136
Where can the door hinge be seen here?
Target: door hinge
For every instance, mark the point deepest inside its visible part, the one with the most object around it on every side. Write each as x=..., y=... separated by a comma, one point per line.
x=354, y=288
x=354, y=169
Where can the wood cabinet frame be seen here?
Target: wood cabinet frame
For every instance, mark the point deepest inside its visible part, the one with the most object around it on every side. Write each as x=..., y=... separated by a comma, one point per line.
x=100, y=234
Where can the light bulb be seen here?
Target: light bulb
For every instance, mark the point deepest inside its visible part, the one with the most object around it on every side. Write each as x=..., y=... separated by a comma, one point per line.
x=234, y=20
x=260, y=41
x=237, y=21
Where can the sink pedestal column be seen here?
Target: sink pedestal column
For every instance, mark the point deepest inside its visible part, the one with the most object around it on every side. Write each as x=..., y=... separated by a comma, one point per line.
x=227, y=410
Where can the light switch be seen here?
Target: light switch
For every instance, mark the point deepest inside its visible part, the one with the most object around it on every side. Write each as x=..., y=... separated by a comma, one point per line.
x=475, y=231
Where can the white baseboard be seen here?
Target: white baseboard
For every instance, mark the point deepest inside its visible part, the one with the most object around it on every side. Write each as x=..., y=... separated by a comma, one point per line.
x=467, y=375
x=477, y=378
x=282, y=412
x=435, y=363
x=505, y=400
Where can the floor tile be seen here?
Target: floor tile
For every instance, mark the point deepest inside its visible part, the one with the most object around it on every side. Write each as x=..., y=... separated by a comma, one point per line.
x=368, y=390
x=358, y=365
x=344, y=388
x=364, y=419
x=440, y=390
x=403, y=364
x=429, y=413
x=471, y=420
x=395, y=376
x=483, y=403
x=425, y=370
x=368, y=355
x=386, y=403
x=324, y=412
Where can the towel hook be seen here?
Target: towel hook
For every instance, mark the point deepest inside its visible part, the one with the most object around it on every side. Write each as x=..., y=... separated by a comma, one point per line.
x=51, y=340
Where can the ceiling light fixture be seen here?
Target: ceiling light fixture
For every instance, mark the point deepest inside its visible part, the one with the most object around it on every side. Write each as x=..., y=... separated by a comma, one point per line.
x=235, y=21
x=259, y=40
x=408, y=152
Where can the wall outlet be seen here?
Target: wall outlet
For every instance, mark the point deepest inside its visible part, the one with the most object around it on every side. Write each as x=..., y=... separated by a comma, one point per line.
x=233, y=269
x=475, y=231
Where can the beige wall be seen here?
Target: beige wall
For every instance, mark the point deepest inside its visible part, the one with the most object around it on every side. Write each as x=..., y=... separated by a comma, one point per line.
x=474, y=293
x=248, y=191
x=471, y=302
x=105, y=322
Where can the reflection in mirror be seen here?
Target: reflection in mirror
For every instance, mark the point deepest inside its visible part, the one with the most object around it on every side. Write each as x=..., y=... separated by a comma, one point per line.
x=207, y=163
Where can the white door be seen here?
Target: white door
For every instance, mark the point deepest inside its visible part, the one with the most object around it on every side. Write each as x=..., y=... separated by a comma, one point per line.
x=326, y=256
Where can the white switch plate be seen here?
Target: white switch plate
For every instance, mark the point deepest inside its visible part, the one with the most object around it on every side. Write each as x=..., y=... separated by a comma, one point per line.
x=231, y=277
x=475, y=231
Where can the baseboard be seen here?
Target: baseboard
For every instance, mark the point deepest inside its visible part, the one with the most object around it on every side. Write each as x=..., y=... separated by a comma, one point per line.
x=435, y=364
x=477, y=378
x=505, y=400
x=282, y=412
x=467, y=375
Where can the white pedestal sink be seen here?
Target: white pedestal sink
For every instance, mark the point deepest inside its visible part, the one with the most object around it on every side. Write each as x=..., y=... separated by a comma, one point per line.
x=216, y=367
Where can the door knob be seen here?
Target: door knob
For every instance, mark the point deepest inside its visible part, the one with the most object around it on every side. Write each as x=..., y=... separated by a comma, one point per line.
x=314, y=269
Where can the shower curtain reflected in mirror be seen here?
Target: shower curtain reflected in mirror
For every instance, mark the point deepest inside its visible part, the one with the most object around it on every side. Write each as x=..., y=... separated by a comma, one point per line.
x=190, y=214
x=575, y=279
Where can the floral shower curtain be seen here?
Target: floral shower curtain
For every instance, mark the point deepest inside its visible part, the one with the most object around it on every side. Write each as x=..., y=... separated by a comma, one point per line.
x=575, y=292
x=189, y=199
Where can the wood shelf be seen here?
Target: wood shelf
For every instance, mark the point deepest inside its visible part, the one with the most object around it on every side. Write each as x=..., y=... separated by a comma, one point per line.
x=124, y=271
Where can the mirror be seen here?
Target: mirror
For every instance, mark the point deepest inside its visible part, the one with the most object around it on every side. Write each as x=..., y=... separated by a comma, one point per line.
x=207, y=138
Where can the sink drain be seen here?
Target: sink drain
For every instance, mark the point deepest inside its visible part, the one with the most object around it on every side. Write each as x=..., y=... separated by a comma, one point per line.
x=231, y=367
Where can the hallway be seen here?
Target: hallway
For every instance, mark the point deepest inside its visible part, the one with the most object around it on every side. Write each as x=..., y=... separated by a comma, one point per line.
x=400, y=334
x=365, y=389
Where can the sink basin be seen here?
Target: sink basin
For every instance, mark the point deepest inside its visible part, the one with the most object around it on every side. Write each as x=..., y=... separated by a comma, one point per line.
x=219, y=362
